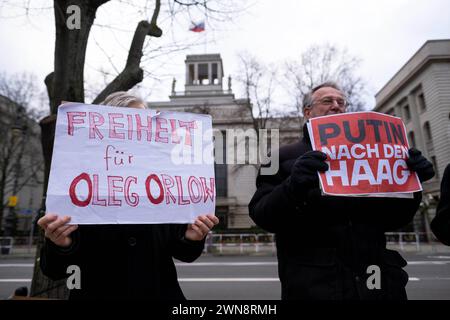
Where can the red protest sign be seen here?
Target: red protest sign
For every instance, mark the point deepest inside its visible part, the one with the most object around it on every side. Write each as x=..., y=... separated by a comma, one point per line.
x=366, y=153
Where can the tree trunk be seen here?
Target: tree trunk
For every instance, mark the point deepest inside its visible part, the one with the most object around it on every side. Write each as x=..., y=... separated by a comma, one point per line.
x=70, y=52
x=42, y=286
x=66, y=83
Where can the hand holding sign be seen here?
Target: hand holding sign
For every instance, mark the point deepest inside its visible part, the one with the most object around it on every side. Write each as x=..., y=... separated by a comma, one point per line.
x=57, y=229
x=304, y=172
x=418, y=163
x=200, y=228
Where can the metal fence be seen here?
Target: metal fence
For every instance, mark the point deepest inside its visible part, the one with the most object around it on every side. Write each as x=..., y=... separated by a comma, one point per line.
x=6, y=244
x=257, y=243
x=223, y=243
x=10, y=245
x=239, y=243
x=404, y=238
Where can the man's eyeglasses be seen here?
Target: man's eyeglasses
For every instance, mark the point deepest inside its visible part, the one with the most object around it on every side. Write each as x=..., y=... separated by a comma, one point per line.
x=328, y=101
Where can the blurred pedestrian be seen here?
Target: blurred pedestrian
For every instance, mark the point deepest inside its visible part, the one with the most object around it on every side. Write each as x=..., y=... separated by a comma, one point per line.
x=440, y=225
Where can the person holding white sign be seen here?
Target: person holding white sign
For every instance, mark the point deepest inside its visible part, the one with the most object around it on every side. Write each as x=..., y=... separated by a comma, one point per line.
x=332, y=247
x=121, y=261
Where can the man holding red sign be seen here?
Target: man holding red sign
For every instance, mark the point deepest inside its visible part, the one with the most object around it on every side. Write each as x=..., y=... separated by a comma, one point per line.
x=333, y=247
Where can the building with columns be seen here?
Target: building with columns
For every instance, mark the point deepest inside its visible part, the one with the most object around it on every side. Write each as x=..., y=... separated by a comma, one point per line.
x=419, y=93
x=204, y=92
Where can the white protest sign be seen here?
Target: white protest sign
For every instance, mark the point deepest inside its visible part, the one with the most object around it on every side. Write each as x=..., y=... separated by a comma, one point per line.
x=115, y=165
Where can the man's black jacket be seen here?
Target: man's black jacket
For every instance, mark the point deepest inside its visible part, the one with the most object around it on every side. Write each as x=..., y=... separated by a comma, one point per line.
x=326, y=243
x=123, y=261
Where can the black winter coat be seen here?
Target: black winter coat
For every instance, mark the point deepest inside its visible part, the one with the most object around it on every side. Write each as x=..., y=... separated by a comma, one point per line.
x=123, y=261
x=326, y=244
x=440, y=225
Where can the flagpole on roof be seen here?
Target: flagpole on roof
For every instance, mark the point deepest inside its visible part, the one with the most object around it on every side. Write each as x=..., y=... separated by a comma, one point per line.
x=206, y=42
x=206, y=33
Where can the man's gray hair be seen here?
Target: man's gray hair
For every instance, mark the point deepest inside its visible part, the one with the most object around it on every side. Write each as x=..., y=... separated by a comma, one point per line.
x=308, y=100
x=121, y=99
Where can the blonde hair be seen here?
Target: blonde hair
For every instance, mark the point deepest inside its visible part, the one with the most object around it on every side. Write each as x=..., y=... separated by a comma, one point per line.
x=121, y=99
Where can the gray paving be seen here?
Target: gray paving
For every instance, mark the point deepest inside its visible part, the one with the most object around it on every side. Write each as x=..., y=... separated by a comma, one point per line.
x=255, y=277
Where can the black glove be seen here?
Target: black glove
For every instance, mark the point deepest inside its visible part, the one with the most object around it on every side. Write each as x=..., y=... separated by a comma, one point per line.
x=418, y=163
x=304, y=173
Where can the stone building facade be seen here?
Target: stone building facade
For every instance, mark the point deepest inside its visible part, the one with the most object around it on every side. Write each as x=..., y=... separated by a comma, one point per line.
x=419, y=93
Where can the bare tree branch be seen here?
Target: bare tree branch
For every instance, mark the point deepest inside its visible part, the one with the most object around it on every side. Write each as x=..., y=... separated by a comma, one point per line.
x=258, y=83
x=318, y=64
x=132, y=74
x=18, y=133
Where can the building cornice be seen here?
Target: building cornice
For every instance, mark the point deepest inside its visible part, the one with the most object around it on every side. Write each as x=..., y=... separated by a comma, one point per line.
x=431, y=52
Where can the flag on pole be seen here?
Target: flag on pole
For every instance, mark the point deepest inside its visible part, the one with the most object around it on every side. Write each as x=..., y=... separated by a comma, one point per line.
x=197, y=27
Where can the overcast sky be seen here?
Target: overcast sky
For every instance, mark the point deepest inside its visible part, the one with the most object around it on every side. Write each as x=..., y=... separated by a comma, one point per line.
x=383, y=33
